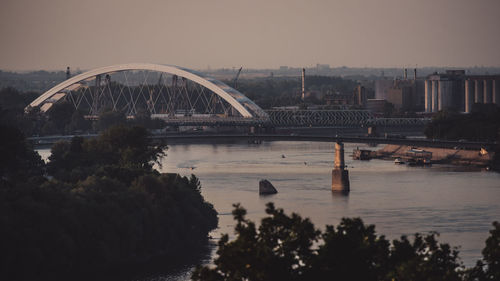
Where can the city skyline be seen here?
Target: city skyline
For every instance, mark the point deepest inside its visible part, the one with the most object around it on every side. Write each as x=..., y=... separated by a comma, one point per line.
x=255, y=34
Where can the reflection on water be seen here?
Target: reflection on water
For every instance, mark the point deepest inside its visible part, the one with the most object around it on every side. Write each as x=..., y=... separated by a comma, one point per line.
x=458, y=202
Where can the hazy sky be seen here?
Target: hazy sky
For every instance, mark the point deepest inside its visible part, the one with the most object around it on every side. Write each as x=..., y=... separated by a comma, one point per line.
x=53, y=34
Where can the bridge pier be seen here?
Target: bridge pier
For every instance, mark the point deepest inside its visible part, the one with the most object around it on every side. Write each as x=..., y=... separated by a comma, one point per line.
x=340, y=176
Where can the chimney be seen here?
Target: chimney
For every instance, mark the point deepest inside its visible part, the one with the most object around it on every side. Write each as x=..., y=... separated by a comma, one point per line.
x=415, y=74
x=68, y=73
x=303, y=83
x=406, y=74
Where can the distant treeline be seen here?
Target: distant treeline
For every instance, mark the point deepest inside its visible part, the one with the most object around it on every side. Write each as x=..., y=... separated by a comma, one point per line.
x=42, y=80
x=287, y=91
x=63, y=118
x=98, y=208
x=37, y=81
x=483, y=123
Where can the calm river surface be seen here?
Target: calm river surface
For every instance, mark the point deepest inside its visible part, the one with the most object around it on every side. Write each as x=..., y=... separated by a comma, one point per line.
x=458, y=203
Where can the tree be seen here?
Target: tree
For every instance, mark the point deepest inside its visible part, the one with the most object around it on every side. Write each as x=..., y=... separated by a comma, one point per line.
x=424, y=259
x=78, y=122
x=282, y=249
x=110, y=118
x=352, y=251
x=483, y=123
x=489, y=267
x=106, y=208
x=60, y=115
x=18, y=162
x=119, y=152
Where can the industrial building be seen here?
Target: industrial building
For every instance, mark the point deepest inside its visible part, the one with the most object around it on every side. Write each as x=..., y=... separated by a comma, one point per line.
x=376, y=105
x=454, y=90
x=382, y=88
x=405, y=94
x=401, y=96
x=481, y=89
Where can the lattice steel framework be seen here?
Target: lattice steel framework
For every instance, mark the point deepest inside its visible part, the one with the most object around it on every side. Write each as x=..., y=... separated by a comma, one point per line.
x=344, y=118
x=166, y=91
x=391, y=122
x=319, y=118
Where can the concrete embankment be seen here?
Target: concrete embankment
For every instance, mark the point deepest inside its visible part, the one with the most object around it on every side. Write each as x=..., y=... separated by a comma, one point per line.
x=441, y=155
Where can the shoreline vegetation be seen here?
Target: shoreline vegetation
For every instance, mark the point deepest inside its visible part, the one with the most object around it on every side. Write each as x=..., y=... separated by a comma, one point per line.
x=483, y=123
x=97, y=209
x=289, y=247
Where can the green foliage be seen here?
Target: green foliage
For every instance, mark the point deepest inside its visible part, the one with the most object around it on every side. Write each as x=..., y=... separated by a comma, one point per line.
x=143, y=119
x=105, y=209
x=491, y=253
x=424, y=259
x=60, y=115
x=110, y=118
x=280, y=250
x=120, y=152
x=290, y=248
x=58, y=229
x=18, y=162
x=12, y=104
x=489, y=267
x=351, y=251
x=483, y=123
x=78, y=123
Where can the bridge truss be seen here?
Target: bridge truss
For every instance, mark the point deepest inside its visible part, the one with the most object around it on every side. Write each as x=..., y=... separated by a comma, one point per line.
x=398, y=122
x=169, y=92
x=145, y=91
x=318, y=118
x=334, y=118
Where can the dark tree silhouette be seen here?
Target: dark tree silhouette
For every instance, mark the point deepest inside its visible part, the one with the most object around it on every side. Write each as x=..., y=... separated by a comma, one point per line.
x=290, y=248
x=104, y=212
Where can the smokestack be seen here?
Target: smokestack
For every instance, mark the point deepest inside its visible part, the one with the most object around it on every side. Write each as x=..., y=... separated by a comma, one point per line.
x=406, y=73
x=415, y=74
x=303, y=83
x=68, y=73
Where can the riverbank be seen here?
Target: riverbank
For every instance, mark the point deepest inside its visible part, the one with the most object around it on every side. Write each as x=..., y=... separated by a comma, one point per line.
x=441, y=155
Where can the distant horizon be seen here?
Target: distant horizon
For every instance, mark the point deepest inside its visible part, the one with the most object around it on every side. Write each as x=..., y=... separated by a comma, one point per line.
x=257, y=69
x=258, y=34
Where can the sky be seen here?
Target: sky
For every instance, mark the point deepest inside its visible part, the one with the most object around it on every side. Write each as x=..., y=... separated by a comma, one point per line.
x=201, y=34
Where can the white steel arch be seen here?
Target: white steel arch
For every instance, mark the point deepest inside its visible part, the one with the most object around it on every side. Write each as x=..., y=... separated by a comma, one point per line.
x=240, y=102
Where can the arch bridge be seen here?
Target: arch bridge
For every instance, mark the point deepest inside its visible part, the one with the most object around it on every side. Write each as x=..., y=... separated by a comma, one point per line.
x=178, y=95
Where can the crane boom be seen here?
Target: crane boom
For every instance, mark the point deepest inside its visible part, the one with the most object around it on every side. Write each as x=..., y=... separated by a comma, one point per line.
x=235, y=80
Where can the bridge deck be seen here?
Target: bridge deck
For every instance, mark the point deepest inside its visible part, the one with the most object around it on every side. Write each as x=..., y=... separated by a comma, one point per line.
x=187, y=138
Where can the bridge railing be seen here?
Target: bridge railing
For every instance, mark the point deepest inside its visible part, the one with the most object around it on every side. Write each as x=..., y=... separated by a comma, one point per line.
x=210, y=120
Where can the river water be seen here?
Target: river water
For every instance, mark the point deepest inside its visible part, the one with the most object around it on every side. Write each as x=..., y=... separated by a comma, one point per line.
x=459, y=203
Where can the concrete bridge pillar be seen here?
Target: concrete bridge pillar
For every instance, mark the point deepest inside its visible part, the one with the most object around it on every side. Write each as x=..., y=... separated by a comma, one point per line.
x=340, y=176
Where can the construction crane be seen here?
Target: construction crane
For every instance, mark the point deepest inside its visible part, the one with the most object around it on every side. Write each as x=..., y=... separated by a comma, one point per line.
x=235, y=80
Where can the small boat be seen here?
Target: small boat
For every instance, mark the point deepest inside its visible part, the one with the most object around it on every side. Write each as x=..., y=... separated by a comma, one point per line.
x=399, y=161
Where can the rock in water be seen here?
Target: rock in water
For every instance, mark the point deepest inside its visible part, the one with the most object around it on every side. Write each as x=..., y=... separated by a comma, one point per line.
x=265, y=187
